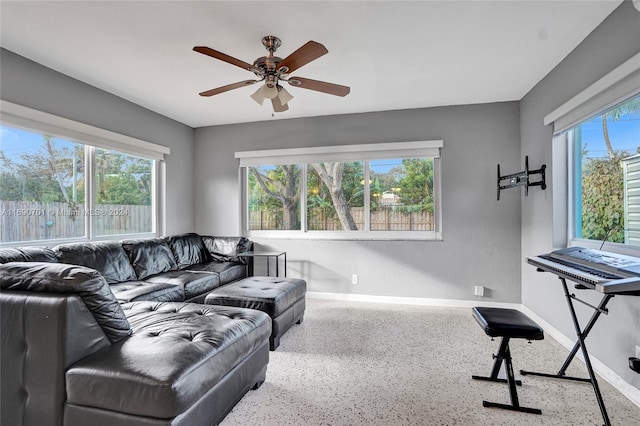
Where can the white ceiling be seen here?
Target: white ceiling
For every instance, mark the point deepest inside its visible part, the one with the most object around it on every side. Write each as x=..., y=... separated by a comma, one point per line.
x=393, y=54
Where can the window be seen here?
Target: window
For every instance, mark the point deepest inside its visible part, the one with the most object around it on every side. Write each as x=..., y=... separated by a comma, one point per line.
x=274, y=194
x=56, y=187
x=402, y=194
x=335, y=196
x=44, y=188
x=123, y=187
x=606, y=175
x=41, y=187
x=354, y=191
x=597, y=134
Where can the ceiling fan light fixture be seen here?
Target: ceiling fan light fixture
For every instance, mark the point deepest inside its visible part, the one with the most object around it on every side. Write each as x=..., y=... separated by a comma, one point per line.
x=283, y=95
x=278, y=106
x=258, y=96
x=269, y=91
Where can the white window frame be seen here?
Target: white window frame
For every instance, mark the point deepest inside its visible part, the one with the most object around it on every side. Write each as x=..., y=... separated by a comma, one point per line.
x=362, y=152
x=18, y=116
x=615, y=87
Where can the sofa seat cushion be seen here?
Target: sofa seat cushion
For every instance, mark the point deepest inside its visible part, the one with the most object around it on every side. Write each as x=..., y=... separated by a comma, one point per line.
x=193, y=283
x=178, y=352
x=226, y=271
x=106, y=257
x=134, y=291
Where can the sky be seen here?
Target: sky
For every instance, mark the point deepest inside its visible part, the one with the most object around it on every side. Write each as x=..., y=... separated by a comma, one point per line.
x=14, y=142
x=623, y=134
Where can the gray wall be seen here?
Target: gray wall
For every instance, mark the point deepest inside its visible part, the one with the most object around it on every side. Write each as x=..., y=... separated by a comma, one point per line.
x=614, y=336
x=481, y=236
x=27, y=83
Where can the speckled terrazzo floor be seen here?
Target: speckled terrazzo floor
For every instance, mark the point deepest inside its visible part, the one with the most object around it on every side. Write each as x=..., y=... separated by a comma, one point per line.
x=376, y=364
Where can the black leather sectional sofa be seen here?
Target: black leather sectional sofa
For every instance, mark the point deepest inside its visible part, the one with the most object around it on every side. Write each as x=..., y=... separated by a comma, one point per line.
x=101, y=333
x=180, y=268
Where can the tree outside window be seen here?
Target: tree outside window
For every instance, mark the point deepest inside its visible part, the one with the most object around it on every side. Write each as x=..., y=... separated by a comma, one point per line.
x=274, y=195
x=335, y=194
x=606, y=189
x=402, y=194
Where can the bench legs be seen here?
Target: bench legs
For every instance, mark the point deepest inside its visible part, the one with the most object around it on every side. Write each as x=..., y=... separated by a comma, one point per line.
x=504, y=354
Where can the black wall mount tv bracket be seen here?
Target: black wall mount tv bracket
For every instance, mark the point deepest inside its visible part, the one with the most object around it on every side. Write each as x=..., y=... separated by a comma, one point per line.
x=522, y=178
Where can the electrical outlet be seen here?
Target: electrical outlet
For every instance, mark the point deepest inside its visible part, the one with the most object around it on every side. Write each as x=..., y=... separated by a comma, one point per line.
x=479, y=290
x=637, y=351
x=354, y=279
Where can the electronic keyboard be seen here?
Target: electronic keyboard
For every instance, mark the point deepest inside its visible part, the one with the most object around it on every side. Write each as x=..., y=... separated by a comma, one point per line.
x=602, y=271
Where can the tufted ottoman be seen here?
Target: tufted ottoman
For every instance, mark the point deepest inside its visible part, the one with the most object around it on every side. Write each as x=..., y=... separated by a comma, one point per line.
x=282, y=298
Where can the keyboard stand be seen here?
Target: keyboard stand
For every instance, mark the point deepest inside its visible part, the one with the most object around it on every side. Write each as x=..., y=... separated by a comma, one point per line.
x=582, y=335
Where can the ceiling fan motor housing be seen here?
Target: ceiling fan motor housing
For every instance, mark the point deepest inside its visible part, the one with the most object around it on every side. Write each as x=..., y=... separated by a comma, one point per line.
x=268, y=65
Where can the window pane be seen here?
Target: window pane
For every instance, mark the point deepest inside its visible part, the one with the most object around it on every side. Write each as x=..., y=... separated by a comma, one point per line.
x=41, y=187
x=401, y=194
x=274, y=197
x=607, y=183
x=123, y=193
x=335, y=196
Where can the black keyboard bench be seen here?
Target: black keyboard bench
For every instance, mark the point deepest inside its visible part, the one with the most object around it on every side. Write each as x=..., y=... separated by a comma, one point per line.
x=507, y=324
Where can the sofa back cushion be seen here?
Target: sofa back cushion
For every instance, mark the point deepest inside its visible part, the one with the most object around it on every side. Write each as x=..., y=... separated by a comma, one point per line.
x=149, y=256
x=225, y=249
x=106, y=257
x=188, y=249
x=27, y=254
x=60, y=278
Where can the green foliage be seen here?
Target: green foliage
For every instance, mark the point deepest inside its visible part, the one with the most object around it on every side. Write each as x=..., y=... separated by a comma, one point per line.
x=416, y=186
x=629, y=107
x=319, y=196
x=275, y=192
x=603, y=197
x=603, y=182
x=41, y=176
x=122, y=179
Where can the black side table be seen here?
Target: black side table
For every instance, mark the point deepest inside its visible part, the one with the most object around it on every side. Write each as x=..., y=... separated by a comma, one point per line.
x=268, y=254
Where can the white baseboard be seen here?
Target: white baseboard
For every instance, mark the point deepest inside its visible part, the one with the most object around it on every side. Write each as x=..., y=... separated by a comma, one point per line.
x=451, y=303
x=599, y=367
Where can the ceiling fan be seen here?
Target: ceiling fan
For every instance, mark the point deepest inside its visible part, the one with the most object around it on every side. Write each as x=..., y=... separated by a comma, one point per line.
x=273, y=70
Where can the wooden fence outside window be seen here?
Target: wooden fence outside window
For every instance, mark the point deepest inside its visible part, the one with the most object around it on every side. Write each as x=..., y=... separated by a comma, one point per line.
x=383, y=219
x=33, y=221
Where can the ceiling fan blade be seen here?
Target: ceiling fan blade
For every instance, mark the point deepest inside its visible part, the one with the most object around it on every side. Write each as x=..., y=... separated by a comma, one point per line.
x=308, y=52
x=278, y=106
x=224, y=57
x=319, y=86
x=228, y=87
